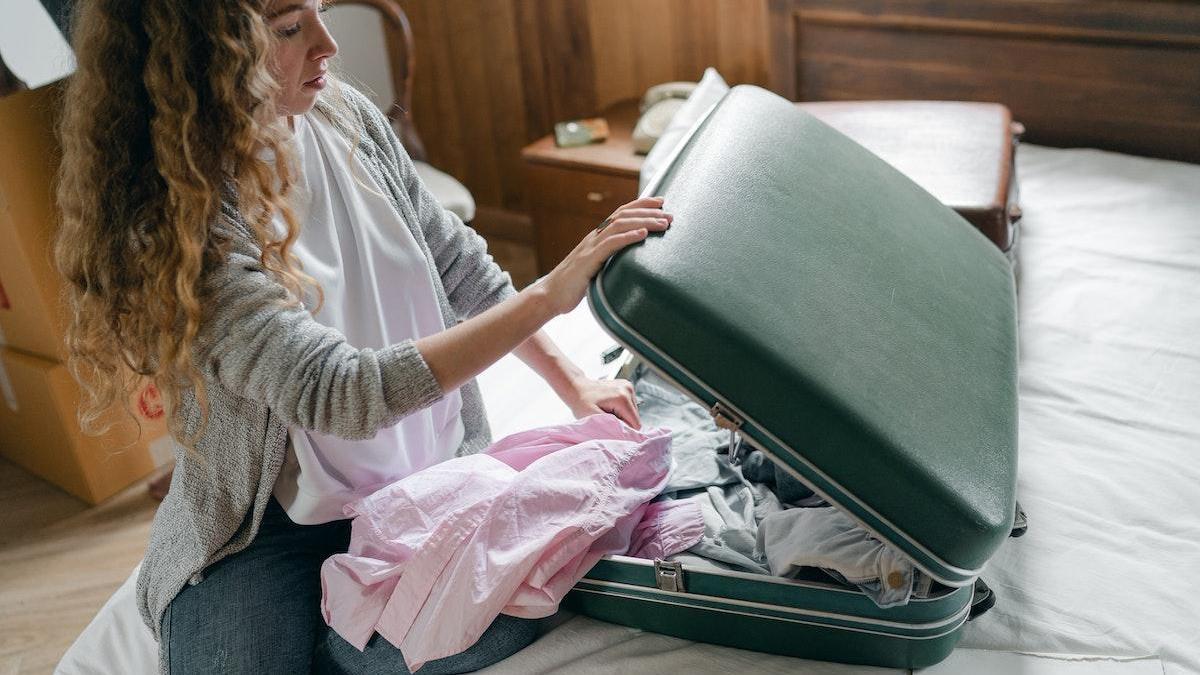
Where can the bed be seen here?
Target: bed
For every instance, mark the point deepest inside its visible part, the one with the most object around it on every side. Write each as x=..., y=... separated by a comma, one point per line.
x=1109, y=301
x=1109, y=291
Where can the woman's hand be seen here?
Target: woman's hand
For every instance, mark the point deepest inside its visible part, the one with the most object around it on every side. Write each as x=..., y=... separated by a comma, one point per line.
x=566, y=284
x=588, y=397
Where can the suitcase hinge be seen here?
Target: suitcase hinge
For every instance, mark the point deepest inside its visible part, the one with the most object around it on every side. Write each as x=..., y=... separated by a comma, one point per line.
x=668, y=575
x=724, y=418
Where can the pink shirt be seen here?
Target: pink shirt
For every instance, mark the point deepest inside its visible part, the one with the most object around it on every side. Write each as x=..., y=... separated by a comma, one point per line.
x=436, y=556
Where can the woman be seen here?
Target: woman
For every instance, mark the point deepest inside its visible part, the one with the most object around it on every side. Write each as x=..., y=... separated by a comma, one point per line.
x=202, y=163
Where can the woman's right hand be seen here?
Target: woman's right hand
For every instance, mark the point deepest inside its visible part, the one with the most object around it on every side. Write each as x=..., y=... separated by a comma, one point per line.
x=567, y=283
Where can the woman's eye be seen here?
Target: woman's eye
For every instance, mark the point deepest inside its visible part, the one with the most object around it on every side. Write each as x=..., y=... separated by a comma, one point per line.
x=290, y=30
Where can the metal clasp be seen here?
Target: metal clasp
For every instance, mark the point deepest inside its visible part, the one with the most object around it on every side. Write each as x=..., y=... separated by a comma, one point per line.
x=668, y=575
x=725, y=419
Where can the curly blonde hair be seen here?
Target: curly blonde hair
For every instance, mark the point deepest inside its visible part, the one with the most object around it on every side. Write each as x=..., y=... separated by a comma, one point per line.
x=171, y=111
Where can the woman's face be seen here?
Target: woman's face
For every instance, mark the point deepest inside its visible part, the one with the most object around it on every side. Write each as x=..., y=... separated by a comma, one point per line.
x=301, y=53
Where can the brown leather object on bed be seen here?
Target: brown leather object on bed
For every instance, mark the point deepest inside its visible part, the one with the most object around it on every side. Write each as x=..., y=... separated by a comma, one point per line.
x=1122, y=75
x=960, y=152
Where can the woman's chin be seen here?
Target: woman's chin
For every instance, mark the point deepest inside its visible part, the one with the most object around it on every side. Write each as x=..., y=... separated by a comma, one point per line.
x=299, y=102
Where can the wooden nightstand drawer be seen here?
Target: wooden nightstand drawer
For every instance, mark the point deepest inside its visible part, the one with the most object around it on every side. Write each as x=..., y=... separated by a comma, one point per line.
x=557, y=233
x=579, y=192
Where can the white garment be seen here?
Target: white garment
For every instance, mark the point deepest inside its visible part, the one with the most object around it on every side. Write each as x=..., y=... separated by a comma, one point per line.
x=378, y=291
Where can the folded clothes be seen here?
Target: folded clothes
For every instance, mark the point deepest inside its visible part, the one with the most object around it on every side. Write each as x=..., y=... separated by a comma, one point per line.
x=828, y=539
x=756, y=467
x=433, y=558
x=757, y=516
x=702, y=475
x=695, y=438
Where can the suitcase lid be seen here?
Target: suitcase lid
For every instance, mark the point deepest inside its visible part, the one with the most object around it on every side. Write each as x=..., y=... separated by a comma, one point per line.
x=848, y=324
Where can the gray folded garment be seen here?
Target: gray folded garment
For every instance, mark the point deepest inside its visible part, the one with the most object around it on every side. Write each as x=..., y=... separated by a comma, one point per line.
x=695, y=438
x=747, y=525
x=700, y=472
x=828, y=539
x=756, y=467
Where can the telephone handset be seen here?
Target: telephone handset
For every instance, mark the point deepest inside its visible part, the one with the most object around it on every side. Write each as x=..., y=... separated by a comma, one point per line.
x=659, y=105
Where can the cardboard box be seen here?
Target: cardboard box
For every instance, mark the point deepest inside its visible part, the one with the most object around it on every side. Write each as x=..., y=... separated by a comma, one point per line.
x=39, y=431
x=31, y=317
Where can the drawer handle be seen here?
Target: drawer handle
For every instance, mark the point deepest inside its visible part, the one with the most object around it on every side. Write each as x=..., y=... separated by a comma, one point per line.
x=595, y=196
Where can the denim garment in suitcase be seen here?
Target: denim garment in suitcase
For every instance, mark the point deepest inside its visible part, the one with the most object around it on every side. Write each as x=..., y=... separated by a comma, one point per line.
x=859, y=333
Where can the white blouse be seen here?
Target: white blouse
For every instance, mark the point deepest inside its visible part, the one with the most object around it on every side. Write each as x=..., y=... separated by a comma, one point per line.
x=378, y=291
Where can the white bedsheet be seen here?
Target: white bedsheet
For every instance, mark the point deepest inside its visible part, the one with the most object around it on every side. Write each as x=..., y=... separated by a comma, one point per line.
x=1109, y=291
x=1110, y=443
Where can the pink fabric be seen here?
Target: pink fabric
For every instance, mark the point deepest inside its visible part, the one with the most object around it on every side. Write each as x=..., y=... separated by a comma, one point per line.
x=667, y=528
x=436, y=556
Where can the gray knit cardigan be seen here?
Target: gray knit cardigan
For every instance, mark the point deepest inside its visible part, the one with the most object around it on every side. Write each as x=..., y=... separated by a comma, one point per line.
x=268, y=367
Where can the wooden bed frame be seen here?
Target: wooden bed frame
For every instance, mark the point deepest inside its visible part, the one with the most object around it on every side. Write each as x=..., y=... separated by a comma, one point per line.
x=1121, y=75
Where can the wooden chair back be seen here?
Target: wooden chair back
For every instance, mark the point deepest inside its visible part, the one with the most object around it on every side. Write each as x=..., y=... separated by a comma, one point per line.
x=401, y=59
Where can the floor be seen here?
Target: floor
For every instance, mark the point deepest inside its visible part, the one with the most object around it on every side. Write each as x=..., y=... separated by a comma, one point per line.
x=61, y=559
x=59, y=562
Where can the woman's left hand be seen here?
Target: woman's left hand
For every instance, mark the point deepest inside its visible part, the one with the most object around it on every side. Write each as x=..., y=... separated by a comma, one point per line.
x=588, y=397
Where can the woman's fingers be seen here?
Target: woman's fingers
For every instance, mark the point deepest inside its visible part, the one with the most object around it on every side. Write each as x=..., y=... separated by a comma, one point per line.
x=639, y=213
x=611, y=244
x=643, y=203
x=626, y=224
x=626, y=409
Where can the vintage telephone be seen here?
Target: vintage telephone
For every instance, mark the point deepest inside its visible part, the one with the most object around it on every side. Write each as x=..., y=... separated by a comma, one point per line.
x=659, y=105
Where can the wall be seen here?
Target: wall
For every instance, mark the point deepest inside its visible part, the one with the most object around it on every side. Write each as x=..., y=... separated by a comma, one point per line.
x=31, y=44
x=493, y=75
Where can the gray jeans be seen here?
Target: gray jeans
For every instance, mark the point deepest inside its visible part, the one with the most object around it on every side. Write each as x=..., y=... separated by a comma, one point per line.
x=259, y=611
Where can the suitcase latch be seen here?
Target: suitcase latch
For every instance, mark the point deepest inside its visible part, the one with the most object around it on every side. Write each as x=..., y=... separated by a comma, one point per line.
x=668, y=575
x=727, y=420
x=724, y=418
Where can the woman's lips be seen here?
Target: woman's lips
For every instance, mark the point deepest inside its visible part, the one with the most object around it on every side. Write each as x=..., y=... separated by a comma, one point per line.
x=317, y=82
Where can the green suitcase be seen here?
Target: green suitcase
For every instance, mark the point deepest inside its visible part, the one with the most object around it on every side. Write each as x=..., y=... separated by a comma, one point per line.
x=860, y=334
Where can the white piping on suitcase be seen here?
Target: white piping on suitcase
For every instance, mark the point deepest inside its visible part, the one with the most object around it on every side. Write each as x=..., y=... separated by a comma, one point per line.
x=757, y=577
x=970, y=574
x=954, y=621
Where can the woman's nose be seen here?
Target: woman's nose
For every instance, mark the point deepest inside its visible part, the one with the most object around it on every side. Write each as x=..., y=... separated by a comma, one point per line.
x=325, y=47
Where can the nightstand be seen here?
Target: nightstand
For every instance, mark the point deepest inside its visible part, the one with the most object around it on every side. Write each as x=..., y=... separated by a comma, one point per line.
x=961, y=152
x=570, y=190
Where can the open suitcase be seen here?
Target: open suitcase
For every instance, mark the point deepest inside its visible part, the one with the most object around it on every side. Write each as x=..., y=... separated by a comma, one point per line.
x=859, y=333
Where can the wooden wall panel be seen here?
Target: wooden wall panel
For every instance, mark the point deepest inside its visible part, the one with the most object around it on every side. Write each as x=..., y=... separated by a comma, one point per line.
x=639, y=43
x=466, y=98
x=493, y=75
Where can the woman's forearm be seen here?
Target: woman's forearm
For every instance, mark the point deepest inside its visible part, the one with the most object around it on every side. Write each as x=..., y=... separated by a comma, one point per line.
x=547, y=360
x=463, y=351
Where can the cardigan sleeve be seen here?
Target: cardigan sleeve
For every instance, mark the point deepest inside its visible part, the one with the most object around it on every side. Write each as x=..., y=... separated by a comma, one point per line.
x=258, y=347
x=472, y=279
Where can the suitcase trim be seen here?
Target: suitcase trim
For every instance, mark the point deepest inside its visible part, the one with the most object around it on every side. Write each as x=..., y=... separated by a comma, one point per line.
x=756, y=577
x=927, y=561
x=925, y=631
x=774, y=591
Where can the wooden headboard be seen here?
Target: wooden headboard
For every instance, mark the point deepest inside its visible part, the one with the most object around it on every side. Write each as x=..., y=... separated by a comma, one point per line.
x=1122, y=75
